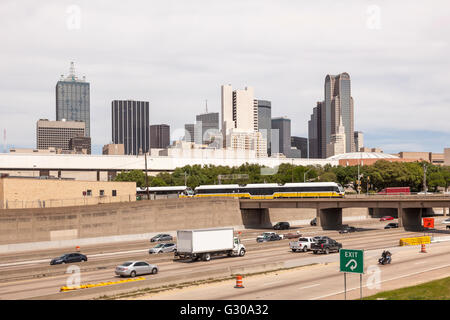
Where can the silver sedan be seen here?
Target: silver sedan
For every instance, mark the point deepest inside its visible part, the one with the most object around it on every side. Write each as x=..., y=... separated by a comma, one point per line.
x=163, y=248
x=135, y=268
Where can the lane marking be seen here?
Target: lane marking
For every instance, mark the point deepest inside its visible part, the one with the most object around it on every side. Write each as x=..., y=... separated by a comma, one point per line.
x=89, y=257
x=311, y=286
x=273, y=282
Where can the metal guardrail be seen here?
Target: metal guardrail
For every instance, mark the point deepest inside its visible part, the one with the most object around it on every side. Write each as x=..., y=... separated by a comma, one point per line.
x=412, y=195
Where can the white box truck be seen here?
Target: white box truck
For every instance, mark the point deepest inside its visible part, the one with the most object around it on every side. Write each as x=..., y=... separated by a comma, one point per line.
x=204, y=243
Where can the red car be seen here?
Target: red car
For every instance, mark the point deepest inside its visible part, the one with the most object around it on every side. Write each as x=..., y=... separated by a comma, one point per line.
x=386, y=218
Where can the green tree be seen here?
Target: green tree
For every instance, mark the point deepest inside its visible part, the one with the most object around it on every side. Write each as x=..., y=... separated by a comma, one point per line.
x=137, y=176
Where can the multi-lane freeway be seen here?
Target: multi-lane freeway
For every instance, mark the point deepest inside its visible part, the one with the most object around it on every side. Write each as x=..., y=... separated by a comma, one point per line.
x=29, y=275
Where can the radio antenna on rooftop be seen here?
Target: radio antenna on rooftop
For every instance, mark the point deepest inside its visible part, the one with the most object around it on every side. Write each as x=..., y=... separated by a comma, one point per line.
x=72, y=71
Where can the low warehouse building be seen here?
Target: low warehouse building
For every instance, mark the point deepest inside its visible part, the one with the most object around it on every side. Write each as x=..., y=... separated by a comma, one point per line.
x=29, y=192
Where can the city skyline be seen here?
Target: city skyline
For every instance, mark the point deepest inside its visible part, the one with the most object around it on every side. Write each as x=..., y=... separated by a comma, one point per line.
x=386, y=73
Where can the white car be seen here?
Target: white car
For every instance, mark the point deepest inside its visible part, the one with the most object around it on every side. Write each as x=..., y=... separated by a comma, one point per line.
x=135, y=268
x=302, y=244
x=446, y=221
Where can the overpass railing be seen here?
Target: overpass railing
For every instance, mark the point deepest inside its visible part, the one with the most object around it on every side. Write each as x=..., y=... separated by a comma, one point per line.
x=412, y=195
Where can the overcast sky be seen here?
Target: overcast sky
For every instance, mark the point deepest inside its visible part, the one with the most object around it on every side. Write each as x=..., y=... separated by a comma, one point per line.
x=177, y=54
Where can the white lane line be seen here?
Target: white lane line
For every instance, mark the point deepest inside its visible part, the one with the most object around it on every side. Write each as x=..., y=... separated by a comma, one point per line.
x=23, y=262
x=117, y=253
x=403, y=276
x=89, y=256
x=311, y=286
x=274, y=282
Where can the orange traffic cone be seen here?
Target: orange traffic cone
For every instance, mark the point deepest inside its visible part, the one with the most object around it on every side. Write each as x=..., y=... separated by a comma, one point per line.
x=239, y=282
x=77, y=248
x=423, y=250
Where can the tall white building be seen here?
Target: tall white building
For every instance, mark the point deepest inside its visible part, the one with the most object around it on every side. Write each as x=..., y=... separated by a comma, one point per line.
x=247, y=141
x=239, y=110
x=337, y=141
x=240, y=120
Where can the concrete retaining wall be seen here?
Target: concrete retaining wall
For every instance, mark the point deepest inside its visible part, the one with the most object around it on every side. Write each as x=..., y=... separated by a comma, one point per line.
x=44, y=228
x=142, y=217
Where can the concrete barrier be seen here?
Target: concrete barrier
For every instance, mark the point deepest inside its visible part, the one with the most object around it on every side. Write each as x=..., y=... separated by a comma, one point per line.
x=101, y=284
x=415, y=241
x=257, y=268
x=440, y=239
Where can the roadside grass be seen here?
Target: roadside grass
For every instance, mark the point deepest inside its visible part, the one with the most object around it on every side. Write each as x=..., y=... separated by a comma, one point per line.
x=434, y=290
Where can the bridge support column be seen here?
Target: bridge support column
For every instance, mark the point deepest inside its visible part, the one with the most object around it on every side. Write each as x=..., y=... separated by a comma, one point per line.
x=330, y=218
x=256, y=218
x=410, y=219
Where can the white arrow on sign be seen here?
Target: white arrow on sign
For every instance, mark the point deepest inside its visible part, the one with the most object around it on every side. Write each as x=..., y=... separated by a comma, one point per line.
x=353, y=266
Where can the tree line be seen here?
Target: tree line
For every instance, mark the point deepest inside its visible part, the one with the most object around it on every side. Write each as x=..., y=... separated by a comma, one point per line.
x=373, y=178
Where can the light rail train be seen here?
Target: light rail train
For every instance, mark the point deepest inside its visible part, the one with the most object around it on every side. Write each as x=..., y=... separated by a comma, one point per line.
x=273, y=190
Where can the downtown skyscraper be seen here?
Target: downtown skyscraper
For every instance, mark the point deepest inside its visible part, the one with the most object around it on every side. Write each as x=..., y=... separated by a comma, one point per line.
x=130, y=125
x=73, y=99
x=240, y=121
x=265, y=121
x=333, y=116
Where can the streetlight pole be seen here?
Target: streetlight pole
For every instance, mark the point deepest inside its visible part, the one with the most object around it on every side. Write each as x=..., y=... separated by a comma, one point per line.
x=304, y=175
x=425, y=178
x=146, y=177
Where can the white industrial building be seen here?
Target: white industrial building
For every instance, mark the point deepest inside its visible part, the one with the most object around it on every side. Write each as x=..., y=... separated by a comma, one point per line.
x=105, y=167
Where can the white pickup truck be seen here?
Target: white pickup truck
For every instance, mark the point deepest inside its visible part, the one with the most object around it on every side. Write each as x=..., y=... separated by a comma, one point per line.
x=302, y=244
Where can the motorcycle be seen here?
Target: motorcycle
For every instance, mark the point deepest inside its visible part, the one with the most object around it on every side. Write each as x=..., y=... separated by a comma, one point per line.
x=386, y=257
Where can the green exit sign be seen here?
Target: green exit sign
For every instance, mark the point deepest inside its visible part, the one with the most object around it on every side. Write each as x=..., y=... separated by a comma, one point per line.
x=351, y=260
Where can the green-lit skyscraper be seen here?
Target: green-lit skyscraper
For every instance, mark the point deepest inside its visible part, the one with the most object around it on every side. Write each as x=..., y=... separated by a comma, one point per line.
x=73, y=99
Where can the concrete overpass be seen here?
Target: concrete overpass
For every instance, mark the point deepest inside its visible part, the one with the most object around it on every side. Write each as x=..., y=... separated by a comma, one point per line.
x=408, y=209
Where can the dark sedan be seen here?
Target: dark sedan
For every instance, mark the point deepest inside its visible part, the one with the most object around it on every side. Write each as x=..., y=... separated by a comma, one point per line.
x=161, y=237
x=391, y=225
x=69, y=258
x=347, y=229
x=272, y=237
x=282, y=226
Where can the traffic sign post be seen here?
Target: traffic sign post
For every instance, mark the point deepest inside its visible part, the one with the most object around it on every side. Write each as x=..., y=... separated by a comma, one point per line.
x=428, y=223
x=351, y=261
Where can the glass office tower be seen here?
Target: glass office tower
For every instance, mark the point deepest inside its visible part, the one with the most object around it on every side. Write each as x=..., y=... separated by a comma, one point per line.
x=73, y=99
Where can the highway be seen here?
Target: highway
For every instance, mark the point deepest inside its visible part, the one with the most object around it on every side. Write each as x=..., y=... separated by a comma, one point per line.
x=29, y=275
x=409, y=267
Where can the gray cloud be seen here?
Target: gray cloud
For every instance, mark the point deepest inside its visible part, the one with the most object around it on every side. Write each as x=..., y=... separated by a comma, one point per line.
x=176, y=54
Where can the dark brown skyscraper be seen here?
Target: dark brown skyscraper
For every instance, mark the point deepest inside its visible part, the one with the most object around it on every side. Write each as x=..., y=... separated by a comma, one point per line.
x=130, y=125
x=159, y=136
